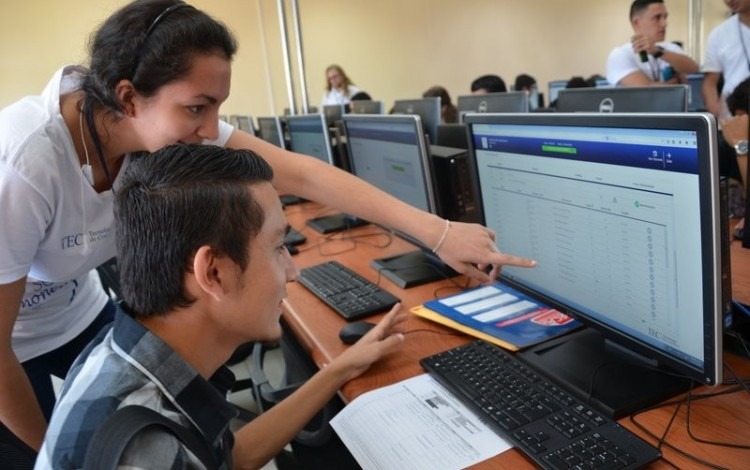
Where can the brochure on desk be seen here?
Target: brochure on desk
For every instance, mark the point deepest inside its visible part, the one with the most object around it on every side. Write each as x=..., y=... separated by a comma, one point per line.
x=499, y=312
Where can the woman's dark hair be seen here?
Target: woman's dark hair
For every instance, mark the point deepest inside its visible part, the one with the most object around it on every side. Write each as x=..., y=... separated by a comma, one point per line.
x=739, y=99
x=151, y=43
x=173, y=202
x=448, y=111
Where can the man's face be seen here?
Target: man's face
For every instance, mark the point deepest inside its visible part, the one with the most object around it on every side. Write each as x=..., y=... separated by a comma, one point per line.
x=738, y=6
x=652, y=22
x=255, y=300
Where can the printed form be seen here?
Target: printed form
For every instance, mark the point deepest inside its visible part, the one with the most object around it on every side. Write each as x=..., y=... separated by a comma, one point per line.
x=415, y=424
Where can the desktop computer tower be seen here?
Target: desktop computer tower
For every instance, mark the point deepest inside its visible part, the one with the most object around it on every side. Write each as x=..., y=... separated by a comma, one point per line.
x=455, y=194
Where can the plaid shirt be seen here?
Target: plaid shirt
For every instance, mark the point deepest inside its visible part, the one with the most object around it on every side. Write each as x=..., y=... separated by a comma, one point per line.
x=129, y=365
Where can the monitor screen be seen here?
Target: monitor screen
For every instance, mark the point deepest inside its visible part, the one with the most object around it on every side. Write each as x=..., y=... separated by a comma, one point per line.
x=390, y=152
x=554, y=87
x=269, y=129
x=308, y=135
x=695, y=92
x=503, y=102
x=366, y=107
x=651, y=99
x=622, y=214
x=428, y=109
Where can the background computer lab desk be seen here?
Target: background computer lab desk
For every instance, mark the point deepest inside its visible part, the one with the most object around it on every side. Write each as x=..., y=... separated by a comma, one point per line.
x=722, y=418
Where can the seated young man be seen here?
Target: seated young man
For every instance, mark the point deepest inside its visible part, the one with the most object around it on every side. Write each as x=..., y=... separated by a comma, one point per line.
x=203, y=266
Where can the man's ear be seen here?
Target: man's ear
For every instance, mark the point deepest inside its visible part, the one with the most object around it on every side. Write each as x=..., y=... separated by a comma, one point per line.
x=125, y=92
x=210, y=273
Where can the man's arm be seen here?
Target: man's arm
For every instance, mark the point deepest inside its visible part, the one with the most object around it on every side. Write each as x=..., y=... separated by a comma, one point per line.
x=710, y=93
x=734, y=130
x=258, y=441
x=19, y=409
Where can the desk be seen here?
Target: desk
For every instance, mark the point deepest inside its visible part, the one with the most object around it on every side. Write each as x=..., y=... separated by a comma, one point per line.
x=722, y=418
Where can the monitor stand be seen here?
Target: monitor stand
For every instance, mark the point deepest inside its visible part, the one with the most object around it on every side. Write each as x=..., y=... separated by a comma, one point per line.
x=335, y=223
x=602, y=374
x=413, y=268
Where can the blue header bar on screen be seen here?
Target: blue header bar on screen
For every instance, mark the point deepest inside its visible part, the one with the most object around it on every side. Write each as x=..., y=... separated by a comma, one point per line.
x=663, y=149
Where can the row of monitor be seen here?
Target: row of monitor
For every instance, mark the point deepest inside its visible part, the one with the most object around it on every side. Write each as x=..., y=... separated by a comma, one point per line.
x=621, y=212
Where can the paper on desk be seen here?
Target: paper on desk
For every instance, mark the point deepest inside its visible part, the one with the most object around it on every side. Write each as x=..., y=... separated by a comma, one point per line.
x=415, y=424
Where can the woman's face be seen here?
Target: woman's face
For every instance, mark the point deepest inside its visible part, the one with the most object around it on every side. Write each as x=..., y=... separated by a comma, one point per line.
x=186, y=110
x=334, y=78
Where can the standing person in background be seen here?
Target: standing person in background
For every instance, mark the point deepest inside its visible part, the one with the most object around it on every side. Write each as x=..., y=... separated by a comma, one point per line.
x=448, y=111
x=647, y=59
x=488, y=84
x=158, y=73
x=734, y=131
x=727, y=55
x=339, y=88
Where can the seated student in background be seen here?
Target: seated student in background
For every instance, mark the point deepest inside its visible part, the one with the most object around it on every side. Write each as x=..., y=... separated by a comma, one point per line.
x=527, y=83
x=576, y=81
x=648, y=59
x=488, y=84
x=339, y=88
x=204, y=268
x=735, y=133
x=359, y=96
x=448, y=111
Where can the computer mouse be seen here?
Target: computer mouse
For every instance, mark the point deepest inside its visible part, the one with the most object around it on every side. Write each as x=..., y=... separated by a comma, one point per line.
x=351, y=332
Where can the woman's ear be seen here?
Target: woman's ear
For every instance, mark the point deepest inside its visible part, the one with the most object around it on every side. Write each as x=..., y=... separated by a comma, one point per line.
x=125, y=92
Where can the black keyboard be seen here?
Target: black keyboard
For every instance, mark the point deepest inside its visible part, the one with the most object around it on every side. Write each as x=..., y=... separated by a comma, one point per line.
x=345, y=291
x=548, y=424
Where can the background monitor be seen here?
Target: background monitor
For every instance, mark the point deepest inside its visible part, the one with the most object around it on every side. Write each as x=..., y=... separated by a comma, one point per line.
x=428, y=109
x=308, y=135
x=242, y=122
x=503, y=102
x=269, y=129
x=333, y=113
x=650, y=99
x=390, y=152
x=366, y=107
x=602, y=83
x=554, y=87
x=695, y=92
x=622, y=214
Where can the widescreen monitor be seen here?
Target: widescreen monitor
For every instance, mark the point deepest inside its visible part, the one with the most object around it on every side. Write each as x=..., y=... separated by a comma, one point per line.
x=503, y=102
x=650, y=99
x=621, y=212
x=428, y=109
x=269, y=129
x=242, y=122
x=366, y=107
x=554, y=87
x=695, y=92
x=390, y=152
x=308, y=134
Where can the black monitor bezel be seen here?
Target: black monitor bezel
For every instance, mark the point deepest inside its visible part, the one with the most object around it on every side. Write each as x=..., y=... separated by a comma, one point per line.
x=500, y=102
x=277, y=123
x=614, y=98
x=703, y=123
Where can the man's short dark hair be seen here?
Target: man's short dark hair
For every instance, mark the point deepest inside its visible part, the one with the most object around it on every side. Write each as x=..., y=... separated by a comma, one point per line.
x=738, y=99
x=490, y=83
x=524, y=81
x=171, y=203
x=638, y=6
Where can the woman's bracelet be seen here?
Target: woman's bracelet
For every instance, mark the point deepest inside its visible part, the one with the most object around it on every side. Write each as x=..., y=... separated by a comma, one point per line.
x=442, y=237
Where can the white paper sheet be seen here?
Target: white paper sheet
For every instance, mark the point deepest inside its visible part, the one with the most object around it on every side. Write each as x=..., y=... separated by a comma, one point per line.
x=415, y=424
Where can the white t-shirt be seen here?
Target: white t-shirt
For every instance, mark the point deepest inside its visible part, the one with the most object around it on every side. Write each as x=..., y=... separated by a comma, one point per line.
x=725, y=54
x=623, y=61
x=56, y=228
x=336, y=96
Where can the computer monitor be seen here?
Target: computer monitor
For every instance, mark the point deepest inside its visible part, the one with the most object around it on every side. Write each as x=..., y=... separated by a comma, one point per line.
x=333, y=113
x=366, y=107
x=428, y=109
x=269, y=129
x=242, y=122
x=390, y=152
x=621, y=211
x=452, y=135
x=554, y=87
x=650, y=99
x=602, y=83
x=503, y=102
x=308, y=135
x=695, y=92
